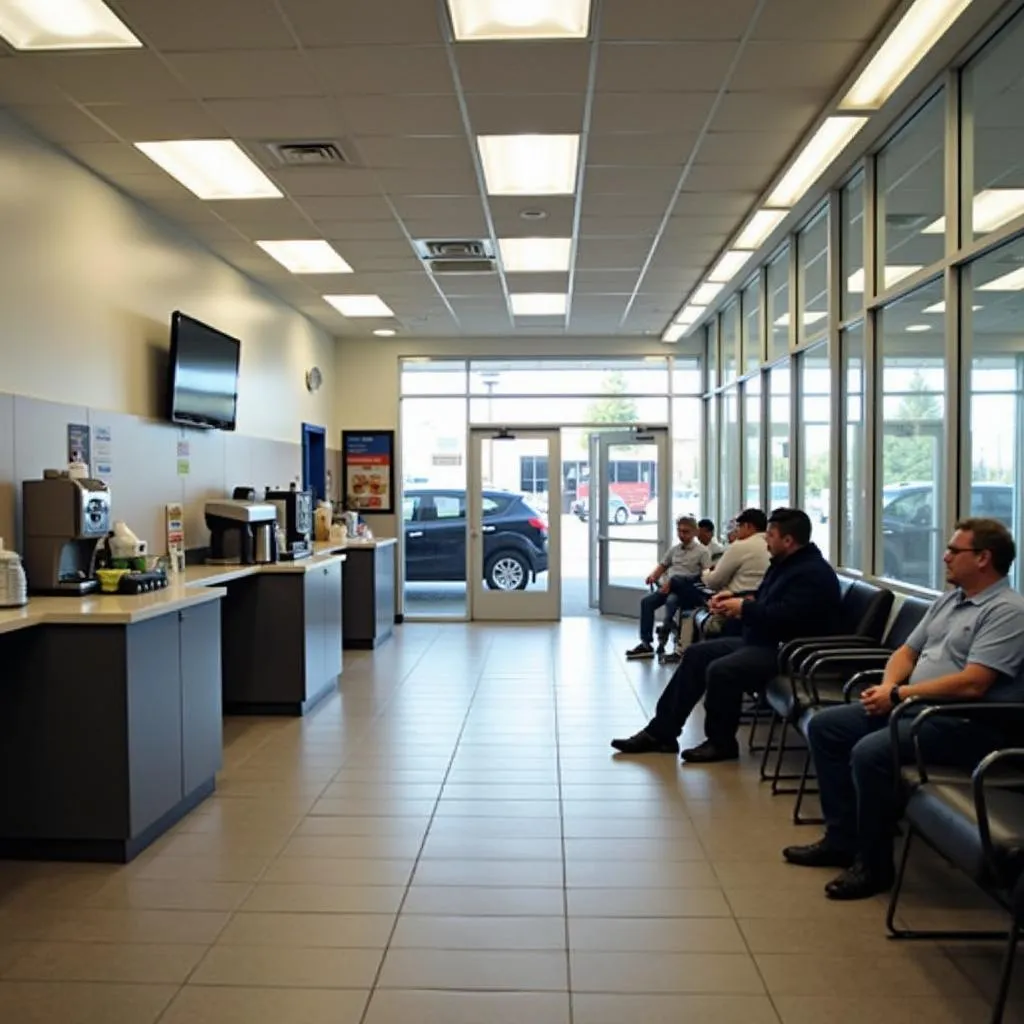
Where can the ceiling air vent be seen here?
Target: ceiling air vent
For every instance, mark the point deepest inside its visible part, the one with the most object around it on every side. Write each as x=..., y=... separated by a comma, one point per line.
x=457, y=256
x=308, y=154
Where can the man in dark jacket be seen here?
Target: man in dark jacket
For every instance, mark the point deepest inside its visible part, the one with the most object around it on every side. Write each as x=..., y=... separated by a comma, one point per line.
x=798, y=597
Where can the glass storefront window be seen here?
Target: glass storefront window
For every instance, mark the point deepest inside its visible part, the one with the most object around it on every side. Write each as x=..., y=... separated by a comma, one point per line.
x=778, y=305
x=779, y=442
x=994, y=355
x=710, y=504
x=730, y=328
x=911, y=500
x=731, y=442
x=815, y=496
x=433, y=377
x=752, y=420
x=752, y=325
x=852, y=244
x=687, y=431
x=568, y=377
x=712, y=350
x=992, y=96
x=854, y=497
x=910, y=203
x=812, y=288
x=686, y=377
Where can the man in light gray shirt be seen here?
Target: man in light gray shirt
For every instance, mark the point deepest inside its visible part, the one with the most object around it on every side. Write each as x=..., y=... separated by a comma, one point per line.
x=682, y=562
x=745, y=561
x=968, y=647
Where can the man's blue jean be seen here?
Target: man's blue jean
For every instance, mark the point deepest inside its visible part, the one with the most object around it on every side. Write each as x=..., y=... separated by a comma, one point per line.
x=853, y=758
x=683, y=593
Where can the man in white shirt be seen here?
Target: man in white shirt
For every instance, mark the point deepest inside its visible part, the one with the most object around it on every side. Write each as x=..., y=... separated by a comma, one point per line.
x=706, y=535
x=682, y=564
x=744, y=563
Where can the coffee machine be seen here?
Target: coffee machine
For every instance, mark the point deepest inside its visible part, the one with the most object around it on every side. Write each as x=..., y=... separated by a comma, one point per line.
x=64, y=521
x=295, y=516
x=241, y=532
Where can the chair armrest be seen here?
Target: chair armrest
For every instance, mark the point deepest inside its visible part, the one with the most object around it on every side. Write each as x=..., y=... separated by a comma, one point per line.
x=867, y=656
x=791, y=647
x=997, y=759
x=859, y=682
x=840, y=660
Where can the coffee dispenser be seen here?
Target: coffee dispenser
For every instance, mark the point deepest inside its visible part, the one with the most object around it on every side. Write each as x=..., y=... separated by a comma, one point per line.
x=64, y=521
x=295, y=516
x=241, y=532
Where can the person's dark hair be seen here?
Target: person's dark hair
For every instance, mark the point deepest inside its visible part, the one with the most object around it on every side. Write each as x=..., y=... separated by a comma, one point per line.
x=791, y=522
x=754, y=517
x=706, y=524
x=992, y=536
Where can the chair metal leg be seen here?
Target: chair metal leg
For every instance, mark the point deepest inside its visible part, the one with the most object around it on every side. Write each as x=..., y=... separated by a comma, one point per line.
x=801, y=792
x=780, y=757
x=1009, y=958
x=755, y=721
x=768, y=748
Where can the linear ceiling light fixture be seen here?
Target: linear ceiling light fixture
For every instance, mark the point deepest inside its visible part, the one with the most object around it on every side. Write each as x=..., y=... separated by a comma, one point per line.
x=673, y=333
x=63, y=25
x=475, y=20
x=924, y=24
x=539, y=304
x=831, y=138
x=535, y=255
x=529, y=165
x=705, y=294
x=360, y=305
x=759, y=227
x=306, y=256
x=211, y=168
x=731, y=263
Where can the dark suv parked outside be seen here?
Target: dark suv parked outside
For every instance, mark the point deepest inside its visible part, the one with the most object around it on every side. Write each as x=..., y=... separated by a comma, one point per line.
x=515, y=538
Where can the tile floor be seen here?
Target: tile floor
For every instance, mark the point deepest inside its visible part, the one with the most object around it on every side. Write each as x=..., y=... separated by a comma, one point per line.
x=449, y=841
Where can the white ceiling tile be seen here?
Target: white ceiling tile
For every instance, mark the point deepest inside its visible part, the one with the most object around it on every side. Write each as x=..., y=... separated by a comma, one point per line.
x=62, y=123
x=366, y=70
x=682, y=227
x=507, y=209
x=787, y=113
x=111, y=158
x=464, y=286
x=762, y=149
x=817, y=21
x=468, y=223
x=369, y=250
x=614, y=227
x=657, y=20
x=402, y=115
x=647, y=182
x=356, y=22
x=430, y=181
x=154, y=122
x=462, y=209
x=345, y=230
x=336, y=208
x=697, y=204
x=294, y=118
x=640, y=149
x=548, y=67
x=253, y=74
x=538, y=283
x=19, y=83
x=110, y=77
x=326, y=181
x=625, y=204
x=201, y=25
x=662, y=113
x=601, y=282
x=795, y=65
x=620, y=254
x=728, y=178
x=513, y=115
x=413, y=152
x=663, y=67
x=260, y=214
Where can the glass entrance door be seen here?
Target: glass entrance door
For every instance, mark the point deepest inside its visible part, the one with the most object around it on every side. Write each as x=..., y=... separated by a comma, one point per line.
x=629, y=514
x=514, y=522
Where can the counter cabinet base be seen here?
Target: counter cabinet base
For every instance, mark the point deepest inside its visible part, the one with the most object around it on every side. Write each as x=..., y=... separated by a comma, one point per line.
x=291, y=708
x=369, y=604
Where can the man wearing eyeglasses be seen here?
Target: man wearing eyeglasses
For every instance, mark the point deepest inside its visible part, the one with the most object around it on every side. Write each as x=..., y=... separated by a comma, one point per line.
x=969, y=646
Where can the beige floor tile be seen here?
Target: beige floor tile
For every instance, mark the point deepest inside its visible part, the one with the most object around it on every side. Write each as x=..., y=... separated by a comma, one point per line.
x=356, y=807
x=383, y=790
x=352, y=847
x=214, y=868
x=673, y=1009
x=416, y=931
x=283, y=930
x=783, y=905
x=923, y=974
x=647, y=903
x=520, y=873
x=468, y=970
x=630, y=850
x=891, y=1009
x=350, y=825
x=142, y=894
x=424, y=1007
x=503, y=809
x=152, y=963
x=82, y=1003
x=607, y=874
x=340, y=871
x=668, y=829
x=199, y=927
x=202, y=1005
x=324, y=899
x=496, y=828
x=654, y=973
x=319, y=967
x=440, y=847
x=9, y=953
x=459, y=900
x=215, y=844
x=655, y=935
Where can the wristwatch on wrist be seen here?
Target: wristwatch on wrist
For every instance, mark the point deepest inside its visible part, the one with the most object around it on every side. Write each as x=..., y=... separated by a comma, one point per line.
x=894, y=696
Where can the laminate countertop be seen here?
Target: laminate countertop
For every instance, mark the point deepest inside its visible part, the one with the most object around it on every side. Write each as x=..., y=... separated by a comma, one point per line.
x=198, y=585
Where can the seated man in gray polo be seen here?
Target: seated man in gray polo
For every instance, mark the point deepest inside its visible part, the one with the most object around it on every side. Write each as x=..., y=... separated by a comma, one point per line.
x=970, y=647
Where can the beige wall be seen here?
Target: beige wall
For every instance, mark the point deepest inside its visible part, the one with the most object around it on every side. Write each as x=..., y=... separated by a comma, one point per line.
x=88, y=280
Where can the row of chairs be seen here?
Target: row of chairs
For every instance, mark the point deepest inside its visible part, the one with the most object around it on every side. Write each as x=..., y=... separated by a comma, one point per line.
x=974, y=820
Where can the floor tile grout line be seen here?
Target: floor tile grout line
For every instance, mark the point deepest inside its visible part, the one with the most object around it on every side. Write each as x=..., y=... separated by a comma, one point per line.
x=556, y=678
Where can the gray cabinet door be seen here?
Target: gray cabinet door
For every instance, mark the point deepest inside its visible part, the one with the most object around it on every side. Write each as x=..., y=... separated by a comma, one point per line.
x=201, y=740
x=315, y=616
x=332, y=575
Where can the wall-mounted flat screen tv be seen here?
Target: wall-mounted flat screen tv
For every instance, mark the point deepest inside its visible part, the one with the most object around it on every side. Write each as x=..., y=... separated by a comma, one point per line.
x=203, y=385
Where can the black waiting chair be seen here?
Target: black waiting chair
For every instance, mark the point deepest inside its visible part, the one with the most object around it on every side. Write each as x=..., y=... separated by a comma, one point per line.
x=974, y=820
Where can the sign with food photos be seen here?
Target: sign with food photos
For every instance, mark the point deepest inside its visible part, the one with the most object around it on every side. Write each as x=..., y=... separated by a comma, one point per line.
x=368, y=461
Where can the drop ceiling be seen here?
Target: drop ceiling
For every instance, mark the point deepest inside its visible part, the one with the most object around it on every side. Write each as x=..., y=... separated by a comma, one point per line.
x=687, y=109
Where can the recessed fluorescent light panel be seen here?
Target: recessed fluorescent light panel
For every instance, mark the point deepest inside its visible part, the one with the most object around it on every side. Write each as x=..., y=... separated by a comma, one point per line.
x=539, y=304
x=924, y=24
x=673, y=334
x=690, y=315
x=893, y=275
x=759, y=227
x=211, y=168
x=385, y=332
x=519, y=19
x=1011, y=282
x=834, y=135
x=529, y=165
x=992, y=208
x=359, y=305
x=63, y=25
x=535, y=255
x=306, y=256
x=729, y=266
x=705, y=294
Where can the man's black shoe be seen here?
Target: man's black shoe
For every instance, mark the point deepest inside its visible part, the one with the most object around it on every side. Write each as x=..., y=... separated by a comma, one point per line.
x=709, y=752
x=860, y=882
x=818, y=855
x=644, y=743
x=640, y=652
